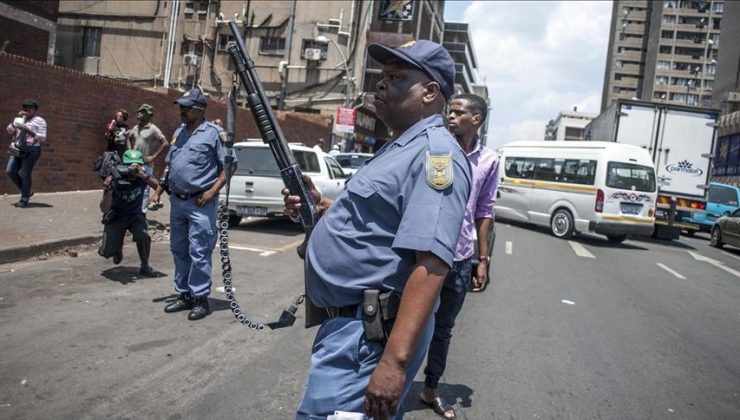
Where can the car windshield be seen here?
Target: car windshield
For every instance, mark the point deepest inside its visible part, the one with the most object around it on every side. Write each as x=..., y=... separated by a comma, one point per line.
x=628, y=176
x=259, y=161
x=351, y=161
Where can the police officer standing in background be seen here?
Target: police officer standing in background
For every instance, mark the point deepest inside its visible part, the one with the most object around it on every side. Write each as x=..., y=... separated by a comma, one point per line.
x=394, y=228
x=196, y=174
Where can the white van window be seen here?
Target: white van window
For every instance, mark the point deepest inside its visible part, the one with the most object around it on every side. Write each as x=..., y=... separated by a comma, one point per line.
x=546, y=170
x=579, y=171
x=722, y=195
x=520, y=167
x=259, y=161
x=627, y=176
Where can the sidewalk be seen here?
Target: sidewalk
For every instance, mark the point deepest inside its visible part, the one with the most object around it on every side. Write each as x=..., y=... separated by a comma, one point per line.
x=53, y=221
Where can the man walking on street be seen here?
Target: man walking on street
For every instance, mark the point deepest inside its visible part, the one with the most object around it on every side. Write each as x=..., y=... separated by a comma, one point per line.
x=467, y=112
x=196, y=174
x=376, y=259
x=148, y=139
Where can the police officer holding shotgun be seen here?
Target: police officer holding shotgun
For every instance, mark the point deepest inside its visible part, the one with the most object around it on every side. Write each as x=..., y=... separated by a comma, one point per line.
x=377, y=257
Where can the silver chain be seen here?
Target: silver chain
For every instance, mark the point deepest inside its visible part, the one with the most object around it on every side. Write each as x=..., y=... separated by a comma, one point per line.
x=223, y=241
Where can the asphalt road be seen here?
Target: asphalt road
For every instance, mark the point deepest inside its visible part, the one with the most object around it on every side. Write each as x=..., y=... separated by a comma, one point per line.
x=567, y=330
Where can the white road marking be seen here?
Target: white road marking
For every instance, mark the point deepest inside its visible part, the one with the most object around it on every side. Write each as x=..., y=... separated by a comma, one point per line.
x=222, y=289
x=262, y=252
x=718, y=264
x=668, y=269
x=731, y=255
x=509, y=247
x=568, y=302
x=580, y=250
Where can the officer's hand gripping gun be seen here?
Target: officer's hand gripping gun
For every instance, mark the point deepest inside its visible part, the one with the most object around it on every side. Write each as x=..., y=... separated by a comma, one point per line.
x=271, y=133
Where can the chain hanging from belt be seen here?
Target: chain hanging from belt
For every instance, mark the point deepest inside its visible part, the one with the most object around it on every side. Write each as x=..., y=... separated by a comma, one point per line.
x=287, y=318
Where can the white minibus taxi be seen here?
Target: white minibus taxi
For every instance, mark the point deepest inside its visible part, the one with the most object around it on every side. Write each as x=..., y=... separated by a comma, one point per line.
x=577, y=186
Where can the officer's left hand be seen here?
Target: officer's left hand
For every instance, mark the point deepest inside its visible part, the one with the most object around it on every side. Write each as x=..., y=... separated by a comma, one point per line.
x=203, y=198
x=384, y=390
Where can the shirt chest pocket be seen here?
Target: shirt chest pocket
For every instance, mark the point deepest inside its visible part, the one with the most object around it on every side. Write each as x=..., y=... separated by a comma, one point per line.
x=198, y=154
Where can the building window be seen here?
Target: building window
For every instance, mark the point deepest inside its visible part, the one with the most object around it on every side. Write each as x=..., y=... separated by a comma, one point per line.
x=718, y=7
x=91, y=41
x=619, y=63
x=661, y=64
x=669, y=19
x=715, y=39
x=670, y=4
x=222, y=41
x=666, y=49
x=272, y=46
x=710, y=69
x=616, y=89
x=666, y=34
x=708, y=84
x=661, y=80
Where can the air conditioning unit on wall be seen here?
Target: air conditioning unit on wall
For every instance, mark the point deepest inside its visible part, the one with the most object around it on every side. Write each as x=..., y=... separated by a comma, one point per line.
x=312, y=54
x=190, y=60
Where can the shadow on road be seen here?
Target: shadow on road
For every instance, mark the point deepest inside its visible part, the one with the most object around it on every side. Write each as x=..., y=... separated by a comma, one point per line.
x=274, y=226
x=127, y=275
x=455, y=394
x=32, y=204
x=665, y=242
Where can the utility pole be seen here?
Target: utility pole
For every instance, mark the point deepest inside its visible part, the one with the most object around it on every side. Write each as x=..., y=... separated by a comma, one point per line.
x=286, y=57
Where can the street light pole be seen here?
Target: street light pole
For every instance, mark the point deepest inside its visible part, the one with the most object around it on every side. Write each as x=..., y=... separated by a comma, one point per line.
x=321, y=39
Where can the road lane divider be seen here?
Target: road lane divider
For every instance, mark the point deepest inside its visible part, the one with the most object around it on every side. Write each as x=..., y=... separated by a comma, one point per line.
x=670, y=270
x=568, y=302
x=509, y=247
x=261, y=251
x=580, y=250
x=718, y=264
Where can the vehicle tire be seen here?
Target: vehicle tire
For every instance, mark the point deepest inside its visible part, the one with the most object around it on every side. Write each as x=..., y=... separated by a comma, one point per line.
x=234, y=220
x=716, y=239
x=616, y=239
x=561, y=224
x=690, y=232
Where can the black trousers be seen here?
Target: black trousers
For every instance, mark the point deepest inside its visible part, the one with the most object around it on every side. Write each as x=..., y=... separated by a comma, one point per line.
x=115, y=231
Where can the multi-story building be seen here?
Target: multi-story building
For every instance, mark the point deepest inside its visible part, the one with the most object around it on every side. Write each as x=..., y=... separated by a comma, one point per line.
x=29, y=28
x=663, y=51
x=568, y=125
x=726, y=95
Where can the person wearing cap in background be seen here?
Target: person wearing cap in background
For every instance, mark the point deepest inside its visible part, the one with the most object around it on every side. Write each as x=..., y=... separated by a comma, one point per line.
x=148, y=139
x=28, y=132
x=196, y=174
x=121, y=207
x=393, y=229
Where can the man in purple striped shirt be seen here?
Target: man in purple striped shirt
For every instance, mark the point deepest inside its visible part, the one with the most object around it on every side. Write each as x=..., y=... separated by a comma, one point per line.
x=467, y=112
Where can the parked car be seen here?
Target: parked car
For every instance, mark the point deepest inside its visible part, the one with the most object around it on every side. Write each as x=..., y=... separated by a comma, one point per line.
x=351, y=162
x=722, y=198
x=726, y=230
x=256, y=185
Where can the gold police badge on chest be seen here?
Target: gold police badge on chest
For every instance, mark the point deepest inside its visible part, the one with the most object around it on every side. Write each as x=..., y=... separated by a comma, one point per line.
x=439, y=171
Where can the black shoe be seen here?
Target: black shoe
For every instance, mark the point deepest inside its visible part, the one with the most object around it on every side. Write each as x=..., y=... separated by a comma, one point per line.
x=183, y=303
x=148, y=271
x=21, y=204
x=201, y=309
x=118, y=258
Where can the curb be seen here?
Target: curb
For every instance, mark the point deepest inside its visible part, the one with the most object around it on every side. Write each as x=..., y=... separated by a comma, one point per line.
x=24, y=252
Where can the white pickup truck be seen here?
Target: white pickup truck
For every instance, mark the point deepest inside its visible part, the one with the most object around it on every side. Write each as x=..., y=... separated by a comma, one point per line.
x=256, y=185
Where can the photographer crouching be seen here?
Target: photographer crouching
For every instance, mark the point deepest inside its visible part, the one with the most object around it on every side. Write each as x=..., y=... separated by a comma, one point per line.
x=122, y=210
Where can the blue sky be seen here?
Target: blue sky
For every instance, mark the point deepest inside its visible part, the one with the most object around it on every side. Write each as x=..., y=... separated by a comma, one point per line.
x=538, y=58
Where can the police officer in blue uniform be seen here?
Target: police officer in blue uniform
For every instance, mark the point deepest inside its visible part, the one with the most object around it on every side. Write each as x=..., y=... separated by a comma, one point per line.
x=394, y=228
x=196, y=174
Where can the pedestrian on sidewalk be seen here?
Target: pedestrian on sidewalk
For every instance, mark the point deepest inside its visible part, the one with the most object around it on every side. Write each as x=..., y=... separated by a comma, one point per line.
x=148, y=139
x=115, y=133
x=28, y=131
x=121, y=207
x=196, y=174
x=389, y=237
x=466, y=114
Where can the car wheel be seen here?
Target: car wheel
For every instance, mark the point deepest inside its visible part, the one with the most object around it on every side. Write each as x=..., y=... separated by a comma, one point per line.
x=561, y=224
x=690, y=232
x=616, y=239
x=716, y=238
x=234, y=220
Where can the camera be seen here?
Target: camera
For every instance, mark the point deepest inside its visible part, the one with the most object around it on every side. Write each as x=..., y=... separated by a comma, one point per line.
x=127, y=172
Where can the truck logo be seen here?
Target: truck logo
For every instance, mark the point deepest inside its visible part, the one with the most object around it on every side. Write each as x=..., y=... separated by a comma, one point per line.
x=684, y=167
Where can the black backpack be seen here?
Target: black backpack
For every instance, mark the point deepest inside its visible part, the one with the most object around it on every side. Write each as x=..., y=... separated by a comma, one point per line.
x=105, y=162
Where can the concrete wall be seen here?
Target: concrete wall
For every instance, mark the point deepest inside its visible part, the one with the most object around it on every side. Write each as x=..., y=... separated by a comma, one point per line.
x=77, y=107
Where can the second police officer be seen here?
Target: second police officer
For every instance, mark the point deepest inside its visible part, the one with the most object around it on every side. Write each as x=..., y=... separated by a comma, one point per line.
x=196, y=174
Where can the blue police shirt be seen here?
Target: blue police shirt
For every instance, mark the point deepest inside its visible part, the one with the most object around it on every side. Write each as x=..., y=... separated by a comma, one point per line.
x=369, y=236
x=196, y=159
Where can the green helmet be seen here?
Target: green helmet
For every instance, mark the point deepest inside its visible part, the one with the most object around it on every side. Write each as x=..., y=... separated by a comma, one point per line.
x=133, y=156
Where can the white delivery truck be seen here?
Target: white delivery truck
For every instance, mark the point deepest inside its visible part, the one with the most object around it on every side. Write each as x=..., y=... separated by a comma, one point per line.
x=680, y=140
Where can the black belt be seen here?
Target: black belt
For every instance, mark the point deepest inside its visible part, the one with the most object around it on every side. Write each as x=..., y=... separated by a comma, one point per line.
x=188, y=196
x=349, y=311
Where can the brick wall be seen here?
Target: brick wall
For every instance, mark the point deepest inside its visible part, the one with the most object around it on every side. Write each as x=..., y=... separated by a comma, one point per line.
x=77, y=108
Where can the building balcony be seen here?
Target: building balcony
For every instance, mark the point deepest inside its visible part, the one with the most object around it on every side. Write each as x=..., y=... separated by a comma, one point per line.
x=631, y=42
x=629, y=82
x=630, y=55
